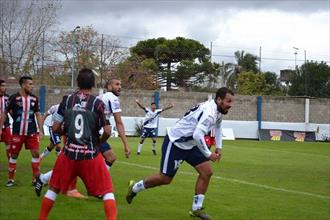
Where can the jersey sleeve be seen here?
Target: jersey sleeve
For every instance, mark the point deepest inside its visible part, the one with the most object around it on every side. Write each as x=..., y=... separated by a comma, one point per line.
x=11, y=103
x=37, y=106
x=115, y=105
x=100, y=109
x=206, y=122
x=59, y=115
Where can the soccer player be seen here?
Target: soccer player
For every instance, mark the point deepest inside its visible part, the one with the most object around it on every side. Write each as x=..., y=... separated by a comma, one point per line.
x=54, y=138
x=6, y=132
x=185, y=142
x=150, y=124
x=23, y=108
x=112, y=107
x=83, y=116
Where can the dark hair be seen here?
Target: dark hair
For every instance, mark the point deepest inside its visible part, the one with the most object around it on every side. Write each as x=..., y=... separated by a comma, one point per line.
x=1, y=81
x=86, y=79
x=153, y=103
x=222, y=93
x=110, y=81
x=23, y=79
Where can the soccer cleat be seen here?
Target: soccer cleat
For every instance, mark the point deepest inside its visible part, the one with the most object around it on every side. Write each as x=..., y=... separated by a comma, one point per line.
x=10, y=183
x=130, y=194
x=138, y=153
x=38, y=185
x=154, y=151
x=200, y=213
x=75, y=194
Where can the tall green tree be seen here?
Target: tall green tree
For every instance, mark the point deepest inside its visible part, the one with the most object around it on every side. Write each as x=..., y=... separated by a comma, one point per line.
x=177, y=59
x=249, y=83
x=311, y=79
x=246, y=61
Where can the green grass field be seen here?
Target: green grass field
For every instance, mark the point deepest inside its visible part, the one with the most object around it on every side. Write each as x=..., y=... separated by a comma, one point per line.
x=254, y=180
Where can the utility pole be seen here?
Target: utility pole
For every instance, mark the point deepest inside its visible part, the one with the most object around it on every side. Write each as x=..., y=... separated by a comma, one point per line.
x=101, y=69
x=260, y=59
x=42, y=57
x=211, y=48
x=74, y=52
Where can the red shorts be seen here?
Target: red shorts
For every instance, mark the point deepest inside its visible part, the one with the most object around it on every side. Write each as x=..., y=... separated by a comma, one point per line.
x=93, y=173
x=6, y=135
x=31, y=142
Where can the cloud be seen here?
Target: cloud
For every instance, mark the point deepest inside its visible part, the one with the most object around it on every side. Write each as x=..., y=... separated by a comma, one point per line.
x=276, y=26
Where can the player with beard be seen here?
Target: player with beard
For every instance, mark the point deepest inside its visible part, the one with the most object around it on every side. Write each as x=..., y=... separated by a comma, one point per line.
x=185, y=142
x=24, y=109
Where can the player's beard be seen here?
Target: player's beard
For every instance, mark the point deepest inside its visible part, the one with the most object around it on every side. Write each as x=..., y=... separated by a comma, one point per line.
x=222, y=111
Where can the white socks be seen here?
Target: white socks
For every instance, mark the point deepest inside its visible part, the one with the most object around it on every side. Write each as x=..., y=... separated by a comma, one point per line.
x=45, y=177
x=140, y=148
x=51, y=195
x=154, y=146
x=198, y=202
x=139, y=186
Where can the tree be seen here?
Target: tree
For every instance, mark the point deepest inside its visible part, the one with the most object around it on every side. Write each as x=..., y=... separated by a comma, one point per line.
x=273, y=84
x=311, y=79
x=23, y=25
x=137, y=73
x=246, y=61
x=85, y=47
x=176, y=58
x=249, y=83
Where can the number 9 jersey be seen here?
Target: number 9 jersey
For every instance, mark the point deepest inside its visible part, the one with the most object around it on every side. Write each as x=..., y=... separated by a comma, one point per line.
x=83, y=117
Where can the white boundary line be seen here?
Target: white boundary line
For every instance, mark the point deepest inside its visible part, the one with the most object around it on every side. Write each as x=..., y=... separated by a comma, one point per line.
x=236, y=181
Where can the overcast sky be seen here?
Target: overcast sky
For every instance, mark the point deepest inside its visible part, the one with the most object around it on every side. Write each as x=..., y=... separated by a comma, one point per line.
x=275, y=26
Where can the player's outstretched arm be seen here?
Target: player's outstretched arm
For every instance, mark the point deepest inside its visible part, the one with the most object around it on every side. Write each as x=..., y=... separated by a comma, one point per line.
x=139, y=104
x=169, y=107
x=121, y=131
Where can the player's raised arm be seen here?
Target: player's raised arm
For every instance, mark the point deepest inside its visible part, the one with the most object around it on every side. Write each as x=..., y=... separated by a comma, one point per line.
x=168, y=107
x=139, y=104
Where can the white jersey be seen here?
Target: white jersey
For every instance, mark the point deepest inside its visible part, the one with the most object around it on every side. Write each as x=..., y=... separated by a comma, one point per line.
x=51, y=111
x=204, y=116
x=151, y=118
x=112, y=104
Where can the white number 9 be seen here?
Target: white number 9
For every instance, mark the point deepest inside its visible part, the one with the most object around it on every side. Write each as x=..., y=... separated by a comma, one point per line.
x=79, y=125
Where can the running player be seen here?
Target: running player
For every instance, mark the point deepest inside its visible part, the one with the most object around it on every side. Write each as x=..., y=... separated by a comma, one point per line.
x=6, y=132
x=83, y=116
x=185, y=142
x=150, y=124
x=24, y=108
x=54, y=138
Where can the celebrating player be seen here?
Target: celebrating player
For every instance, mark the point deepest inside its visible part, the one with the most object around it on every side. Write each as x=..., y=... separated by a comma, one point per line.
x=150, y=124
x=24, y=108
x=83, y=116
x=185, y=142
x=6, y=133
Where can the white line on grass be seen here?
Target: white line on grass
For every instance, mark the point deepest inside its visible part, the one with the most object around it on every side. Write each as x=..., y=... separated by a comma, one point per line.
x=236, y=181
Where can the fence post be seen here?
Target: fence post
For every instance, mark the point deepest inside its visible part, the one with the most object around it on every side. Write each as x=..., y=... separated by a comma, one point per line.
x=156, y=101
x=42, y=99
x=259, y=111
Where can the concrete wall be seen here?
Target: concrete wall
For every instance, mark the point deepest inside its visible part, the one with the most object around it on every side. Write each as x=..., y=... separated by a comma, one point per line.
x=274, y=109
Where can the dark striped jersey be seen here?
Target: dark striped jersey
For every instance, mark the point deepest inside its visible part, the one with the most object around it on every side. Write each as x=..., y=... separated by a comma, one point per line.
x=83, y=116
x=4, y=100
x=22, y=109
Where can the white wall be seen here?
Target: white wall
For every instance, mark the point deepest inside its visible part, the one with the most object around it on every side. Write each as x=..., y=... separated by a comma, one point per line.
x=242, y=129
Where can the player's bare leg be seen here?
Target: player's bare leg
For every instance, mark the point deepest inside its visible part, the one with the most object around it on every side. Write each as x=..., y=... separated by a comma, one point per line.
x=153, y=145
x=109, y=157
x=205, y=172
